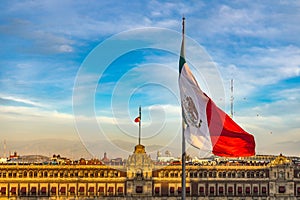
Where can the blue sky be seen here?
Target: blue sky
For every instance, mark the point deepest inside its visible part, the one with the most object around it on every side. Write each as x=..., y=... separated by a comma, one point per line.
x=45, y=44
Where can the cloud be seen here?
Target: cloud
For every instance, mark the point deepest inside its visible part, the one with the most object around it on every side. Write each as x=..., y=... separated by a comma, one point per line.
x=25, y=101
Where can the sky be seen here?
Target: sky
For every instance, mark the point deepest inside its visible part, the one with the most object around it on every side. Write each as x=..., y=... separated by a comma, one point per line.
x=79, y=70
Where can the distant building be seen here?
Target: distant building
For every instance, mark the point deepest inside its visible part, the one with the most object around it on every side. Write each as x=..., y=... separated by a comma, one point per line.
x=258, y=177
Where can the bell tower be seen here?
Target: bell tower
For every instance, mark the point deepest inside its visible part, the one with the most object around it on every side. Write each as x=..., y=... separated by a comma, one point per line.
x=139, y=169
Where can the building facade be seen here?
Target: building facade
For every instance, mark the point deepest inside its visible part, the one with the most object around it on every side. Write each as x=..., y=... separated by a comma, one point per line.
x=141, y=178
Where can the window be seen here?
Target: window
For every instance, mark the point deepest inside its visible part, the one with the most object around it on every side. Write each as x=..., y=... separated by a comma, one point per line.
x=81, y=189
x=156, y=190
x=172, y=190
x=281, y=189
x=255, y=189
x=201, y=190
x=230, y=189
x=3, y=190
x=91, y=189
x=179, y=190
x=120, y=190
x=43, y=191
x=200, y=174
x=13, y=191
x=281, y=174
x=33, y=191
x=221, y=190
x=220, y=174
x=63, y=190
x=240, y=190
x=23, y=191
x=188, y=190
x=53, y=190
x=264, y=190
x=247, y=190
x=139, y=189
x=211, y=190
x=101, y=190
x=110, y=190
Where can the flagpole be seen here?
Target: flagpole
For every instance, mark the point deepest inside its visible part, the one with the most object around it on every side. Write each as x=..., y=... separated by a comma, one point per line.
x=183, y=179
x=140, y=116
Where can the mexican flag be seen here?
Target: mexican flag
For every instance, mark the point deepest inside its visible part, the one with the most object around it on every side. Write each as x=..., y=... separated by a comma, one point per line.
x=208, y=127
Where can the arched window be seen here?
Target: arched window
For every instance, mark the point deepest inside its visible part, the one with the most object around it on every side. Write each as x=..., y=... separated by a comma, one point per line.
x=176, y=174
x=233, y=174
x=200, y=175
x=220, y=175
x=166, y=174
x=229, y=174
x=248, y=174
x=195, y=174
x=257, y=174
x=172, y=174
x=252, y=174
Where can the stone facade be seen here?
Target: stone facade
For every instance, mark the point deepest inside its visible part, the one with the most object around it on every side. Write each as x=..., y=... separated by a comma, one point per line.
x=140, y=178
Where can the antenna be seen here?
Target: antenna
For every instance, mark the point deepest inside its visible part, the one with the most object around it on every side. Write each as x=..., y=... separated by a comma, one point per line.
x=231, y=98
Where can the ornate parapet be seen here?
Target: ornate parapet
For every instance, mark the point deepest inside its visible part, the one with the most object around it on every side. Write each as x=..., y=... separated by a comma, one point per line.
x=280, y=160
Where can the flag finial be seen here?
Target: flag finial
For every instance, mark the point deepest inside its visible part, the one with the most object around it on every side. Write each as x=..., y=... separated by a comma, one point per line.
x=183, y=22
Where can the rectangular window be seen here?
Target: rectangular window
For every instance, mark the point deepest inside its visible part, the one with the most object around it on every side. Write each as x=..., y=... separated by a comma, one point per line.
x=53, y=190
x=240, y=190
x=221, y=190
x=264, y=190
x=230, y=189
x=111, y=189
x=81, y=189
x=72, y=190
x=43, y=190
x=3, y=190
x=156, y=190
x=139, y=189
x=63, y=190
x=188, y=190
x=172, y=190
x=101, y=189
x=281, y=189
x=255, y=189
x=91, y=189
x=33, y=191
x=211, y=190
x=23, y=190
x=120, y=190
x=179, y=190
x=13, y=191
x=201, y=189
x=247, y=190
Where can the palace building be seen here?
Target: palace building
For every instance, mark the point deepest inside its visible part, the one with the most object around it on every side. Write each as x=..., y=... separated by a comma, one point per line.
x=258, y=177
